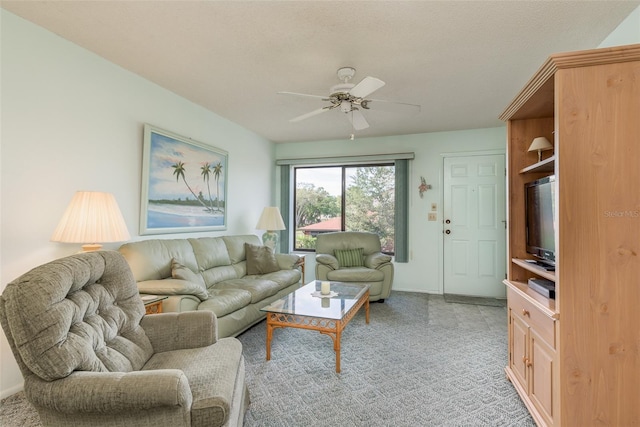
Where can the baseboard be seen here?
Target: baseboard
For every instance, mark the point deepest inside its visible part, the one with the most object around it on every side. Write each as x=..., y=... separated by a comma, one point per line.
x=417, y=291
x=11, y=391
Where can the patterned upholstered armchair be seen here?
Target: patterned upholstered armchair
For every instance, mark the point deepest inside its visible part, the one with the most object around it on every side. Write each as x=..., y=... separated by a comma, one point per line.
x=354, y=257
x=90, y=356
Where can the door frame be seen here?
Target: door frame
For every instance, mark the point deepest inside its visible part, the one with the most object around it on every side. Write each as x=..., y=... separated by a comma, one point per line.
x=441, y=210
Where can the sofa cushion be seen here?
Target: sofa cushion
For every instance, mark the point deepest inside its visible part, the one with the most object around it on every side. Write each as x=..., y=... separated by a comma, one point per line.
x=259, y=288
x=326, y=243
x=349, y=257
x=151, y=259
x=284, y=278
x=235, y=246
x=219, y=274
x=172, y=287
x=225, y=301
x=212, y=373
x=180, y=272
x=210, y=252
x=260, y=259
x=355, y=274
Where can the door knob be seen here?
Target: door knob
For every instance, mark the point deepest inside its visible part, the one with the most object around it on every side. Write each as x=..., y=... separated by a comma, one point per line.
x=447, y=231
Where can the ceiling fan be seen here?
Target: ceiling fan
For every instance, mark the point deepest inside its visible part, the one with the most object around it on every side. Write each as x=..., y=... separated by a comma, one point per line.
x=350, y=98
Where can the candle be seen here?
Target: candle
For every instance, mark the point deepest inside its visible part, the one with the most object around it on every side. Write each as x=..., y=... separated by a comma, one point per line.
x=325, y=288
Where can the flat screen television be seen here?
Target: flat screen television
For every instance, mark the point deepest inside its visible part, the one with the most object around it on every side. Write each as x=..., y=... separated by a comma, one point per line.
x=540, y=206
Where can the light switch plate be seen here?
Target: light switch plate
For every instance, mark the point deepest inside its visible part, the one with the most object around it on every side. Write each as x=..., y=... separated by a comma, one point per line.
x=433, y=216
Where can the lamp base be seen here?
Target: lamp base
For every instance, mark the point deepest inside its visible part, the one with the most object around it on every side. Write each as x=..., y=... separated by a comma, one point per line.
x=91, y=247
x=270, y=239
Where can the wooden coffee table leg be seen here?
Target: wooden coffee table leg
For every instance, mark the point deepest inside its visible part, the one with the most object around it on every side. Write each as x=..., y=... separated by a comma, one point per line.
x=269, y=336
x=336, y=345
x=366, y=308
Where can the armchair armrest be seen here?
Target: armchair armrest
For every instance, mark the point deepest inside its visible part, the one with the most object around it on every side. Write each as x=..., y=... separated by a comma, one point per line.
x=375, y=260
x=109, y=392
x=287, y=261
x=328, y=260
x=174, y=331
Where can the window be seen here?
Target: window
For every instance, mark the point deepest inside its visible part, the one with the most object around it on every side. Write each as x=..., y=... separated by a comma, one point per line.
x=344, y=198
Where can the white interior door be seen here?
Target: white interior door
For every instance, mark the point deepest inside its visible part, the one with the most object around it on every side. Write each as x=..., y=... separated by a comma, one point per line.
x=474, y=225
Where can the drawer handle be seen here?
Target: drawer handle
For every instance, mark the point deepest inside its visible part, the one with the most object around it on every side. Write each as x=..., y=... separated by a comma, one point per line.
x=527, y=362
x=525, y=312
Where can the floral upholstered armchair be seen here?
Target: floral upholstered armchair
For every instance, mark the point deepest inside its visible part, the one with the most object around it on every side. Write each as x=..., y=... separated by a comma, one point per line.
x=354, y=257
x=90, y=356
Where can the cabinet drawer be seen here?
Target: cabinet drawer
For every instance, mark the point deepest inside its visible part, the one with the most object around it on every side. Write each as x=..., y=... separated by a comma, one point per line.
x=536, y=319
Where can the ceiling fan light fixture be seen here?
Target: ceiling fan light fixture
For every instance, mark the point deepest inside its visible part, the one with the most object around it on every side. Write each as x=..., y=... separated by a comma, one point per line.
x=345, y=106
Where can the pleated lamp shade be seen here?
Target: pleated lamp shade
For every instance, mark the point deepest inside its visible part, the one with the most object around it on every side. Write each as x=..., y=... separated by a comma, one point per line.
x=270, y=219
x=92, y=218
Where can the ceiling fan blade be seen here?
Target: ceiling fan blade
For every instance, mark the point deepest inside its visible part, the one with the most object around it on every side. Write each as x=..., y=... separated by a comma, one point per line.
x=310, y=114
x=357, y=119
x=400, y=107
x=302, y=94
x=367, y=86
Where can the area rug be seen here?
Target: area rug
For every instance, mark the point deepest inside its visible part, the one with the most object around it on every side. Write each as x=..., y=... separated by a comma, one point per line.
x=420, y=362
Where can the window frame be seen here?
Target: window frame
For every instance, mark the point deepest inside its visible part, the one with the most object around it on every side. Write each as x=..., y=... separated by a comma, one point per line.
x=343, y=188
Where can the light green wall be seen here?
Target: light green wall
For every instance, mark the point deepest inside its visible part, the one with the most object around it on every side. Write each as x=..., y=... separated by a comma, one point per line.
x=628, y=32
x=423, y=272
x=73, y=121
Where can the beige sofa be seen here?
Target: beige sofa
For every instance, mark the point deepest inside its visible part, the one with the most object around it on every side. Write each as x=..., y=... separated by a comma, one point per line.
x=213, y=274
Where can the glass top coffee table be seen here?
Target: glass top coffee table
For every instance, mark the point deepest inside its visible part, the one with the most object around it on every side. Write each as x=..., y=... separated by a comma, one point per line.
x=327, y=315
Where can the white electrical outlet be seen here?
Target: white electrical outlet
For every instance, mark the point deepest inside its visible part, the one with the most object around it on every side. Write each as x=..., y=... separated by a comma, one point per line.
x=433, y=216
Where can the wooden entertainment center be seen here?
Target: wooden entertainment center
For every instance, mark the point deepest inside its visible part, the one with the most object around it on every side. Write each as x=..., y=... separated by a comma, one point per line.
x=575, y=360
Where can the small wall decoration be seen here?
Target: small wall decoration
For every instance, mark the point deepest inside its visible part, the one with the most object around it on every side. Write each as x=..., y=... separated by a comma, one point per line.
x=184, y=184
x=423, y=186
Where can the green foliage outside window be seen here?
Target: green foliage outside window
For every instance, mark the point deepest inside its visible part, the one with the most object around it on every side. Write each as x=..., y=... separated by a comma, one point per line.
x=368, y=199
x=369, y=204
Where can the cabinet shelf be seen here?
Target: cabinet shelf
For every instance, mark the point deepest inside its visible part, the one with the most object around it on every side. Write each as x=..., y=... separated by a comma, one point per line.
x=546, y=305
x=549, y=275
x=546, y=165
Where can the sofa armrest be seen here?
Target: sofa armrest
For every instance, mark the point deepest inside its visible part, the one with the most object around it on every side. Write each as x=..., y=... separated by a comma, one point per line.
x=173, y=287
x=376, y=260
x=287, y=261
x=174, y=331
x=328, y=260
x=109, y=392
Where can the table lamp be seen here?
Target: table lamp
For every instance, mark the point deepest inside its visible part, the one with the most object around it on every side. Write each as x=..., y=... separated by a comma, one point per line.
x=91, y=217
x=270, y=220
x=540, y=144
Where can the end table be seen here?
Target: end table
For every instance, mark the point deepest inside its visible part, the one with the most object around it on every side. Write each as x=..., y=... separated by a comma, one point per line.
x=153, y=303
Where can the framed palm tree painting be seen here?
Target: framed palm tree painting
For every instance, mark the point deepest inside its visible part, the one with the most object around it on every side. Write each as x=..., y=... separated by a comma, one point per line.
x=184, y=184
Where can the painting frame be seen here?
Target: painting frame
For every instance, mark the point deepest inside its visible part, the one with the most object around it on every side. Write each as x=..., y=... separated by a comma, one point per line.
x=177, y=178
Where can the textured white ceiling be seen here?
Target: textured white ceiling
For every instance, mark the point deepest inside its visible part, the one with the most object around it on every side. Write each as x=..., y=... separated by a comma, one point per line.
x=463, y=61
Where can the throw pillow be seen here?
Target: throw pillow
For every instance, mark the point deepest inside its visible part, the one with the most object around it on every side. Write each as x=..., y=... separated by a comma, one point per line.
x=179, y=271
x=349, y=257
x=260, y=259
